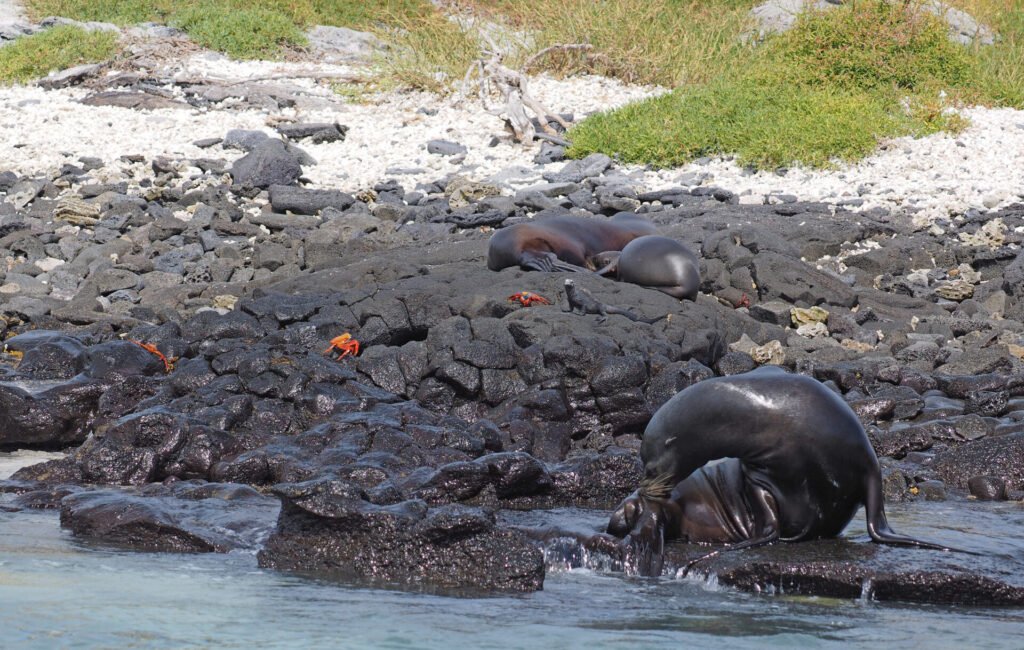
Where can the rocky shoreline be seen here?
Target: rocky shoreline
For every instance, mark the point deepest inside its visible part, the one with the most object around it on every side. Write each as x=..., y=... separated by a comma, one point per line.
x=395, y=466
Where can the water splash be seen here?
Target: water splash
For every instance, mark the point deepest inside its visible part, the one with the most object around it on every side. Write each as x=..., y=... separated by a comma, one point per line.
x=867, y=590
x=567, y=553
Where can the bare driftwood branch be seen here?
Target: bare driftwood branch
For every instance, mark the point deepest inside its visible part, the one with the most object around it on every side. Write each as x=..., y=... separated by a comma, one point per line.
x=512, y=87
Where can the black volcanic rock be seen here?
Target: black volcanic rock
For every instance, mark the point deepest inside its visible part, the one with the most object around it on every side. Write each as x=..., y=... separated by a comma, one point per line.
x=187, y=518
x=334, y=532
x=269, y=162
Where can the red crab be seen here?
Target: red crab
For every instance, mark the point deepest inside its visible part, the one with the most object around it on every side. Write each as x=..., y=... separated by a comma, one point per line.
x=344, y=345
x=527, y=299
x=151, y=348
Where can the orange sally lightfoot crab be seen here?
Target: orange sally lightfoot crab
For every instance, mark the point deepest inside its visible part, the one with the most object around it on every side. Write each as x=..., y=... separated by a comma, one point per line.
x=152, y=349
x=344, y=345
x=528, y=299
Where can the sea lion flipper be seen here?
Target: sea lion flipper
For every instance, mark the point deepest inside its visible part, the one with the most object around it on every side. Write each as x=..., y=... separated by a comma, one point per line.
x=770, y=538
x=549, y=262
x=645, y=552
x=878, y=525
x=608, y=261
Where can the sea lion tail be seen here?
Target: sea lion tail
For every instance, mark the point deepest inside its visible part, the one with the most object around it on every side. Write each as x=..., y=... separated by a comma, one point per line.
x=657, y=487
x=878, y=525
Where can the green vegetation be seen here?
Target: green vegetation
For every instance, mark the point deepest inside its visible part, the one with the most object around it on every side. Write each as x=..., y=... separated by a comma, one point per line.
x=823, y=92
x=54, y=49
x=239, y=33
x=826, y=91
x=240, y=28
x=763, y=126
x=667, y=42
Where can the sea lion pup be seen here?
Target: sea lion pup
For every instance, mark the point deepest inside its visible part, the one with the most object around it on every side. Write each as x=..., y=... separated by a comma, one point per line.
x=798, y=466
x=656, y=262
x=564, y=243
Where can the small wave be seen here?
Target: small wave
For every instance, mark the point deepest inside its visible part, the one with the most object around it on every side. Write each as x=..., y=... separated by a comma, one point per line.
x=11, y=462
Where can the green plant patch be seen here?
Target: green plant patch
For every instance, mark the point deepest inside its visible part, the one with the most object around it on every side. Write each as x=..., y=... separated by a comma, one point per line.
x=120, y=12
x=239, y=33
x=239, y=28
x=871, y=45
x=62, y=47
x=825, y=92
x=764, y=126
x=427, y=52
x=367, y=14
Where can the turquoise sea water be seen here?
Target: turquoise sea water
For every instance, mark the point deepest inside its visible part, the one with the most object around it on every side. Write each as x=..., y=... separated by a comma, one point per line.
x=57, y=592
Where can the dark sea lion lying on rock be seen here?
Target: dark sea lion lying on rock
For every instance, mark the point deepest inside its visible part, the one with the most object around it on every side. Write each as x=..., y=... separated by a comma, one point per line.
x=657, y=262
x=798, y=466
x=564, y=243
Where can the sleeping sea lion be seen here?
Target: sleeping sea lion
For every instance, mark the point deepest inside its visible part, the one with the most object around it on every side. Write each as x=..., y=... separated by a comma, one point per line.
x=564, y=243
x=798, y=466
x=657, y=262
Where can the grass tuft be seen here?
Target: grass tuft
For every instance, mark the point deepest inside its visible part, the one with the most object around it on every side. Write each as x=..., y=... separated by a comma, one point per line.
x=824, y=92
x=761, y=125
x=239, y=28
x=62, y=47
x=239, y=33
x=428, y=52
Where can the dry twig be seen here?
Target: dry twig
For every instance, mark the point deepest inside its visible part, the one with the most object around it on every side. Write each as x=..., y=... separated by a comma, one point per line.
x=511, y=86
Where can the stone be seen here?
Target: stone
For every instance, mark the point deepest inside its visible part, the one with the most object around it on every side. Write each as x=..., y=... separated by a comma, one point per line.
x=461, y=191
x=342, y=45
x=111, y=280
x=988, y=488
x=317, y=132
x=808, y=316
x=549, y=153
x=187, y=518
x=269, y=163
x=244, y=139
x=448, y=546
x=133, y=100
x=287, y=198
x=69, y=77
x=999, y=456
x=445, y=148
x=771, y=352
x=775, y=312
x=575, y=171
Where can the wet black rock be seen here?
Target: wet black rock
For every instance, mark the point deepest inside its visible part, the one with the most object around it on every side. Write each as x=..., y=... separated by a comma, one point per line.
x=185, y=518
x=47, y=417
x=998, y=456
x=334, y=532
x=844, y=569
x=48, y=354
x=988, y=488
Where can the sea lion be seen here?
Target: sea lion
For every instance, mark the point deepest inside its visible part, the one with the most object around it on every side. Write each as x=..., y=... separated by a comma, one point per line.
x=657, y=262
x=798, y=466
x=564, y=243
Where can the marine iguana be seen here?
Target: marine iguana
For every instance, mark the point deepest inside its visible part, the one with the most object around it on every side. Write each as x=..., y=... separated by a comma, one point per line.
x=580, y=298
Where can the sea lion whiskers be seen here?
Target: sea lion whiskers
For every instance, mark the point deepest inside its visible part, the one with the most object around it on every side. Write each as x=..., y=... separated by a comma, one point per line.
x=658, y=487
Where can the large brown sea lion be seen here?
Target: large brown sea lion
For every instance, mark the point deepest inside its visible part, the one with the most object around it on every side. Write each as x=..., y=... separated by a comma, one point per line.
x=564, y=243
x=798, y=466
